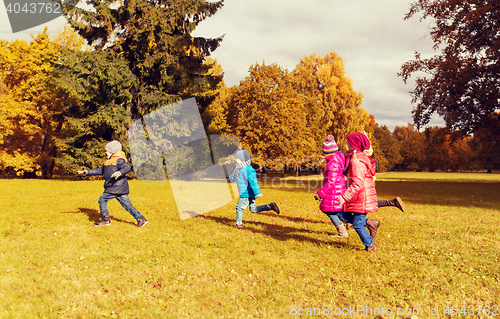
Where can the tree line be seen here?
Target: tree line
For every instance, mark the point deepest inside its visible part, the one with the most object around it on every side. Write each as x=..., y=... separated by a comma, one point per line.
x=63, y=99
x=435, y=148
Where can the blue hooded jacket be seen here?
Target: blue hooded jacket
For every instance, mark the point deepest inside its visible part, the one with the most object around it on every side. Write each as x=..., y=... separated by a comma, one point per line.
x=245, y=176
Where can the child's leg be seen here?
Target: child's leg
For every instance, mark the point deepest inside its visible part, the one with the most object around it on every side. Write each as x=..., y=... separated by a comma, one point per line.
x=345, y=217
x=396, y=202
x=338, y=224
x=124, y=200
x=240, y=207
x=103, y=204
x=359, y=222
x=257, y=209
x=334, y=218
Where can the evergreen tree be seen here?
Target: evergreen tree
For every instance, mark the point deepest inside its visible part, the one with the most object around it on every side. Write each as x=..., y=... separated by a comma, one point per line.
x=97, y=86
x=154, y=39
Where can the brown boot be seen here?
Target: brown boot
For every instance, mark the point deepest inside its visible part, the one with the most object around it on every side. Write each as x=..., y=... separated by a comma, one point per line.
x=372, y=248
x=105, y=221
x=372, y=225
x=342, y=232
x=349, y=226
x=398, y=202
x=275, y=207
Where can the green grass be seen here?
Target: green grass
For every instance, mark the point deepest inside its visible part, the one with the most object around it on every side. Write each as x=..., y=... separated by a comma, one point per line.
x=55, y=264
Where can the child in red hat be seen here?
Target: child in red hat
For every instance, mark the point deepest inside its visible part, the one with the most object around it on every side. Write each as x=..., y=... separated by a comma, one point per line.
x=360, y=197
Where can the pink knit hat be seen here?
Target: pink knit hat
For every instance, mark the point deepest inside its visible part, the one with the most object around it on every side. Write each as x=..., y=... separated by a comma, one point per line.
x=329, y=145
x=358, y=141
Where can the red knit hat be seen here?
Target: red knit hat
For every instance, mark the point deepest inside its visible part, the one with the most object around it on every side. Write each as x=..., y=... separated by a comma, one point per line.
x=358, y=141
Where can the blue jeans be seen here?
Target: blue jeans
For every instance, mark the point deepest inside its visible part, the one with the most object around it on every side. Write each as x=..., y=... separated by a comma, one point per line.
x=358, y=221
x=245, y=202
x=334, y=218
x=124, y=200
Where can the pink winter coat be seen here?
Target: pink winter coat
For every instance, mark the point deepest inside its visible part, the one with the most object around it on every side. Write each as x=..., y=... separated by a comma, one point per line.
x=333, y=183
x=361, y=196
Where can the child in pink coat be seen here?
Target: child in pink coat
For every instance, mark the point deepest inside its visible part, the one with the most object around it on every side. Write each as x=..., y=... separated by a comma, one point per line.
x=333, y=184
x=360, y=197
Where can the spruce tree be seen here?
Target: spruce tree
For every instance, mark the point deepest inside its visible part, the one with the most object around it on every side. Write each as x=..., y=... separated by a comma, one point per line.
x=154, y=38
x=143, y=58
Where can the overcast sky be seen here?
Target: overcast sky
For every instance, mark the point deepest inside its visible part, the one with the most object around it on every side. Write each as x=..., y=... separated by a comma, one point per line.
x=370, y=36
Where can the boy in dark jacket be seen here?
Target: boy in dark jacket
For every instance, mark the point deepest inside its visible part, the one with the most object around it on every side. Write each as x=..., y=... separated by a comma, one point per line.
x=116, y=185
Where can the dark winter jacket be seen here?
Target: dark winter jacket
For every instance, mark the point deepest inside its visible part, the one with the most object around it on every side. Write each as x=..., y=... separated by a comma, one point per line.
x=117, y=162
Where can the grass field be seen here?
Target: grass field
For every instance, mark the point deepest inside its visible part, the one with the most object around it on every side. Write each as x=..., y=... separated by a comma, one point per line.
x=439, y=259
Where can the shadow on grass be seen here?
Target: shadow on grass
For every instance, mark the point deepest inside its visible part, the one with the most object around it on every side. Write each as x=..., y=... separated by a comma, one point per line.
x=296, y=219
x=94, y=215
x=278, y=232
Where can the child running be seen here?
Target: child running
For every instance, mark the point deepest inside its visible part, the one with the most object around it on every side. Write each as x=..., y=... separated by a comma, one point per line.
x=396, y=202
x=248, y=188
x=333, y=184
x=360, y=197
x=115, y=185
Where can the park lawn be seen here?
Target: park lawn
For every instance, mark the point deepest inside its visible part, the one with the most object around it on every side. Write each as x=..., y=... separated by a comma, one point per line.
x=443, y=252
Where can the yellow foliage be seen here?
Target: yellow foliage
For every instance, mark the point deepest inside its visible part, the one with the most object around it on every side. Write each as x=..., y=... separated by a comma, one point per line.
x=68, y=38
x=30, y=112
x=267, y=114
x=335, y=108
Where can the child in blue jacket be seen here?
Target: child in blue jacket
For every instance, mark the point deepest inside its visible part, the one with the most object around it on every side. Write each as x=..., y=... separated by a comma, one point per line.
x=248, y=188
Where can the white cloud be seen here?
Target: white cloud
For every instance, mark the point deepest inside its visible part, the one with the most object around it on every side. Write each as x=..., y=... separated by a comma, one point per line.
x=371, y=37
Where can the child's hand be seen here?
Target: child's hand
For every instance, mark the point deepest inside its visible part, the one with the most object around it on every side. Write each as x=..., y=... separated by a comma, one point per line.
x=116, y=174
x=82, y=172
x=317, y=197
x=259, y=195
x=341, y=200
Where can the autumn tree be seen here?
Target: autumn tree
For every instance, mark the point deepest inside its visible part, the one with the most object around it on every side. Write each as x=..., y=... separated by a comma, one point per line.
x=485, y=144
x=267, y=114
x=461, y=82
x=438, y=150
x=32, y=107
x=331, y=104
x=389, y=146
x=464, y=156
x=214, y=114
x=412, y=147
x=18, y=127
